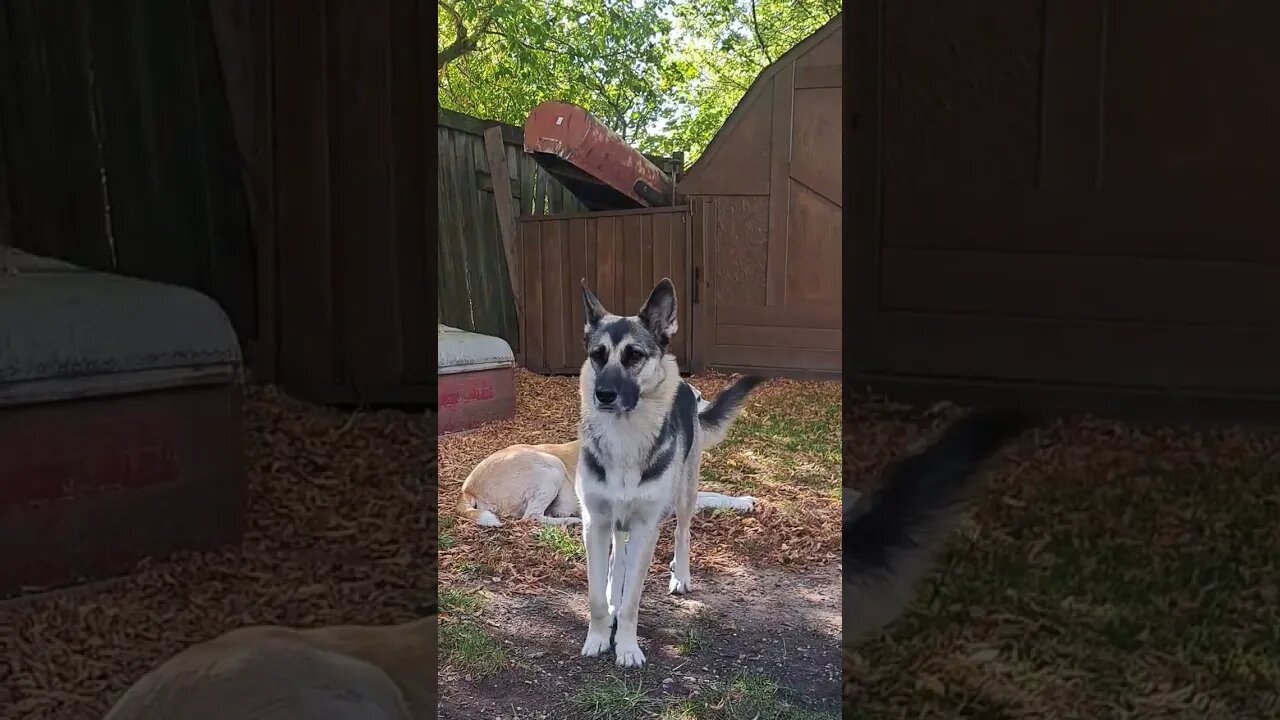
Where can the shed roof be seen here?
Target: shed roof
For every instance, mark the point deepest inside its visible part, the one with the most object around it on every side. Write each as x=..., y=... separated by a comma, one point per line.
x=758, y=86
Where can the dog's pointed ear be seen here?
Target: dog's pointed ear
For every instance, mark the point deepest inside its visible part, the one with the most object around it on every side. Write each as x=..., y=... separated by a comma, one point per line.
x=593, y=309
x=659, y=311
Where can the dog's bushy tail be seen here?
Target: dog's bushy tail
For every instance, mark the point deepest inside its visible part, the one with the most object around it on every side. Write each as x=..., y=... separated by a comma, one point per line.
x=892, y=534
x=718, y=417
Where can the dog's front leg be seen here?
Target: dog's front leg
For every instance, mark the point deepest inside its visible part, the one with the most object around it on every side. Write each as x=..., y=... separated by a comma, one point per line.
x=617, y=571
x=595, y=538
x=640, y=546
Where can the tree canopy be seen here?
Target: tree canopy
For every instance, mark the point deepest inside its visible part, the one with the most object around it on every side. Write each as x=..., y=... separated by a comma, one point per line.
x=663, y=74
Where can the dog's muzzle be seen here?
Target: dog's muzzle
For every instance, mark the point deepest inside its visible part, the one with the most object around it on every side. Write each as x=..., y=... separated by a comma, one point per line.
x=610, y=400
x=607, y=400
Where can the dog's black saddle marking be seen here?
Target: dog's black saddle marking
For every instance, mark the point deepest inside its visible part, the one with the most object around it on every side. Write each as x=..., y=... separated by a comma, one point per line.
x=676, y=428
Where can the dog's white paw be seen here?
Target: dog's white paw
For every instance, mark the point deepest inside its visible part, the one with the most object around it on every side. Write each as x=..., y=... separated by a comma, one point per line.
x=597, y=642
x=680, y=583
x=744, y=504
x=629, y=655
x=572, y=520
x=679, y=586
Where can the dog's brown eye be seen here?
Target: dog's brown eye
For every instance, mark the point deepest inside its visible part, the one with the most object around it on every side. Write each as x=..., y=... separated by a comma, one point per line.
x=631, y=356
x=599, y=355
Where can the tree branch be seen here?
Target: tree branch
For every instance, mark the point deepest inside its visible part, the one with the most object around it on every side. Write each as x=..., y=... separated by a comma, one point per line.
x=463, y=42
x=755, y=30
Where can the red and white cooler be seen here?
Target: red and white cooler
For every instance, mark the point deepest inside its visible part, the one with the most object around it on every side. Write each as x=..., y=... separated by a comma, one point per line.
x=475, y=379
x=120, y=423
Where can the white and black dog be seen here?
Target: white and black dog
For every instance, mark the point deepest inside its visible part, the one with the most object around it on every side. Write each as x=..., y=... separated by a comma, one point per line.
x=641, y=438
x=891, y=535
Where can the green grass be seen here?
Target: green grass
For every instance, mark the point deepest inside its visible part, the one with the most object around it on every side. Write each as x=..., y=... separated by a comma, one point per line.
x=467, y=602
x=470, y=568
x=444, y=535
x=691, y=636
x=562, y=542
x=747, y=696
x=612, y=698
x=790, y=444
x=464, y=644
x=466, y=647
x=1141, y=560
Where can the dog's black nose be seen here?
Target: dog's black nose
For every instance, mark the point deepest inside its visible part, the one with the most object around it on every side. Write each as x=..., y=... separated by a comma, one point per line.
x=606, y=397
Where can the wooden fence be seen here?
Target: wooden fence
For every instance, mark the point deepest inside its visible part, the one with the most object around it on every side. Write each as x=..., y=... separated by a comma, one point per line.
x=621, y=254
x=117, y=147
x=474, y=291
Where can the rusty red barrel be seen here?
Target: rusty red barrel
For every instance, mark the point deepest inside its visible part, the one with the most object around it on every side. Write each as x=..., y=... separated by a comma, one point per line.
x=599, y=167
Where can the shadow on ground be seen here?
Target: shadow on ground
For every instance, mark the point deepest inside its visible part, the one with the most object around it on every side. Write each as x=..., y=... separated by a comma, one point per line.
x=756, y=643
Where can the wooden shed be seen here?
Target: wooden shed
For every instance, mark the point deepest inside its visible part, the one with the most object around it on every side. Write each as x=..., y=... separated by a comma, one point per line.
x=754, y=247
x=1069, y=197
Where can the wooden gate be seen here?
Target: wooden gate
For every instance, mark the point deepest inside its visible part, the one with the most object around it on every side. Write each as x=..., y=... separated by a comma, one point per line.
x=1075, y=198
x=768, y=201
x=621, y=254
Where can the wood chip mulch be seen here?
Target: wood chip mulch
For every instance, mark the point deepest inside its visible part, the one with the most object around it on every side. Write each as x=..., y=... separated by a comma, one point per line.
x=342, y=529
x=794, y=524
x=1106, y=570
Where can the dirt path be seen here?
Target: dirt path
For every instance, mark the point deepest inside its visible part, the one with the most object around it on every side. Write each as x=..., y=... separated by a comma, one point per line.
x=759, y=643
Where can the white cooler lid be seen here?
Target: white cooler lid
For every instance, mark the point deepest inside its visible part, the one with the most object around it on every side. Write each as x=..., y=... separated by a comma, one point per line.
x=63, y=324
x=463, y=351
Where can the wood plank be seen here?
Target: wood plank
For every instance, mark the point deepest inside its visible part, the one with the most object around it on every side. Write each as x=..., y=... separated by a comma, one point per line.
x=262, y=189
x=660, y=258
x=511, y=134
x=224, y=174
x=1057, y=351
x=542, y=205
x=671, y=210
x=454, y=305
x=535, y=355
x=553, y=280
x=864, y=232
x=1132, y=404
x=773, y=357
x=779, y=337
x=564, y=288
x=794, y=373
x=581, y=243
x=678, y=244
x=482, y=302
x=408, y=187
x=660, y=267
x=1072, y=93
x=55, y=183
x=367, y=298
x=634, y=289
x=302, y=193
x=819, y=76
x=607, y=262
x=779, y=186
x=493, y=284
x=1134, y=289
x=619, y=240
x=647, y=278
x=701, y=266
x=805, y=316
x=1165, y=222
x=467, y=228
x=496, y=154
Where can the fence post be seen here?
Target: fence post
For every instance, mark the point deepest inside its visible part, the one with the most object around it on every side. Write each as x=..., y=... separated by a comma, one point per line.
x=496, y=153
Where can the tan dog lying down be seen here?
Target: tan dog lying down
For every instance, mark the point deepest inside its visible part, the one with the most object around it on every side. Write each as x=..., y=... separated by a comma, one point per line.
x=276, y=673
x=535, y=482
